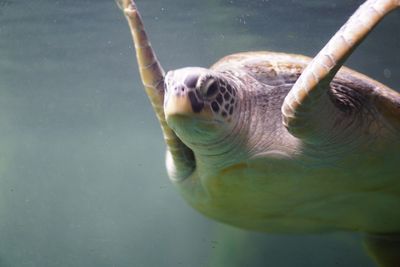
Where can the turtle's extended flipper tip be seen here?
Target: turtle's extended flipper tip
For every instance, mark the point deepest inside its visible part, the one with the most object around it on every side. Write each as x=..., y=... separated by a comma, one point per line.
x=120, y=4
x=126, y=5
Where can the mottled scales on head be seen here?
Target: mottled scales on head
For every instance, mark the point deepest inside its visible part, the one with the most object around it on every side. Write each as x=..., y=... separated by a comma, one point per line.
x=204, y=88
x=223, y=98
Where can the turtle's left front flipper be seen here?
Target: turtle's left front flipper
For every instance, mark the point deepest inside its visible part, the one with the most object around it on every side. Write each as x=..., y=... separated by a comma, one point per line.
x=384, y=249
x=179, y=156
x=308, y=100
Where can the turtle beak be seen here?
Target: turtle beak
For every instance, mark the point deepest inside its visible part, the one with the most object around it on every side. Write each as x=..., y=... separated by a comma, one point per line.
x=179, y=99
x=177, y=105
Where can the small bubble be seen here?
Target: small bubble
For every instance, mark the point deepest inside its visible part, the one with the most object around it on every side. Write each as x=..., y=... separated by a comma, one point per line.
x=387, y=73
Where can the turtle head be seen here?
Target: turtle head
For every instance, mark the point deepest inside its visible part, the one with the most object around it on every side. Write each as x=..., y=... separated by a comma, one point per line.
x=199, y=104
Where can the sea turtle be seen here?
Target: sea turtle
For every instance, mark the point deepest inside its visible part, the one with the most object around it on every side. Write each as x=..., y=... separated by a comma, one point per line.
x=280, y=142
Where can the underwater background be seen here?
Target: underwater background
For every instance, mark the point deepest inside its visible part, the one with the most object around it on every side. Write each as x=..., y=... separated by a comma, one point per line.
x=82, y=176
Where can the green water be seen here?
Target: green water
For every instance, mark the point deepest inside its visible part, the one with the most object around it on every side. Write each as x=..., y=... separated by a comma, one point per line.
x=82, y=178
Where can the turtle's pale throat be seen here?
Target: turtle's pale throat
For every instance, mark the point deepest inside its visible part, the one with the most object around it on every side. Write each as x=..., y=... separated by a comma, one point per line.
x=193, y=130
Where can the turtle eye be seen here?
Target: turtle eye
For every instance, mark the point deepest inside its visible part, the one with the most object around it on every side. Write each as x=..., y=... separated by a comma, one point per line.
x=191, y=81
x=210, y=88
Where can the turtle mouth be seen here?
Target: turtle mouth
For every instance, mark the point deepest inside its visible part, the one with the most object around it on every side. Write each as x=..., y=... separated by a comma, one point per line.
x=184, y=108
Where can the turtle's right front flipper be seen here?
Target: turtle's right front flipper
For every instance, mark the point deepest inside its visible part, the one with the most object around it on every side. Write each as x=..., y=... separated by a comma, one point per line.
x=180, y=158
x=308, y=100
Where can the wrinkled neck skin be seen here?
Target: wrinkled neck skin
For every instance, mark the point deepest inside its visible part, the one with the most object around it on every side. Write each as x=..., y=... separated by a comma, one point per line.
x=226, y=145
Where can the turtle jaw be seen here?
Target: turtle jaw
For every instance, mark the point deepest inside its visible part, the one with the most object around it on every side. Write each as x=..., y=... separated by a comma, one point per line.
x=191, y=126
x=182, y=107
x=177, y=105
x=185, y=110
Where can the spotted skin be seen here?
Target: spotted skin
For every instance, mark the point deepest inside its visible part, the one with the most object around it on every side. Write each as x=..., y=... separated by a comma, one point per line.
x=204, y=89
x=224, y=102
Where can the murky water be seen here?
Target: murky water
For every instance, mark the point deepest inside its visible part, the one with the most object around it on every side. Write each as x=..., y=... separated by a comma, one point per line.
x=82, y=179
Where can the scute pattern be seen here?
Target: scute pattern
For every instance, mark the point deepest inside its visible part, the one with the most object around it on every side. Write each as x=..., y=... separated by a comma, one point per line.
x=224, y=102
